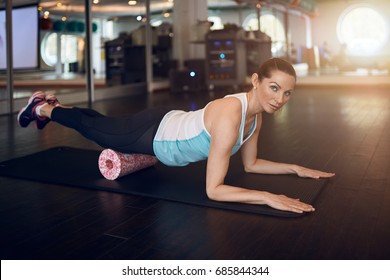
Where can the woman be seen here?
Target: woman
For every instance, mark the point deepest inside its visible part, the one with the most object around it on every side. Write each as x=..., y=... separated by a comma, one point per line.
x=177, y=138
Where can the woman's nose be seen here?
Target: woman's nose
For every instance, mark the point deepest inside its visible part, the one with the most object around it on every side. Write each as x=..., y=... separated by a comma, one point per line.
x=279, y=98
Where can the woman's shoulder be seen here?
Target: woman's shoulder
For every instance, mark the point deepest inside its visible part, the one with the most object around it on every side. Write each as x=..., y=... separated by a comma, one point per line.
x=239, y=95
x=226, y=105
x=226, y=111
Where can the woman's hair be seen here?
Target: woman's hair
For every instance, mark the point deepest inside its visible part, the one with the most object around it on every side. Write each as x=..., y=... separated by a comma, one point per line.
x=274, y=64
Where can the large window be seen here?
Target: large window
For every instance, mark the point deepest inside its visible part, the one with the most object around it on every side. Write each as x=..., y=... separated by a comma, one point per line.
x=24, y=36
x=363, y=30
x=270, y=25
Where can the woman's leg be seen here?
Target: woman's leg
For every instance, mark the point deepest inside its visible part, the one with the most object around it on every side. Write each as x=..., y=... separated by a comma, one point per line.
x=133, y=134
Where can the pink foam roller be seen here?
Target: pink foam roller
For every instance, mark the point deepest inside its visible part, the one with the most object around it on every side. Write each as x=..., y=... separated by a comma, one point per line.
x=113, y=164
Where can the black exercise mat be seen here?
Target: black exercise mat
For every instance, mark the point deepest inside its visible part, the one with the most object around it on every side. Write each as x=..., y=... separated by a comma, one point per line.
x=79, y=168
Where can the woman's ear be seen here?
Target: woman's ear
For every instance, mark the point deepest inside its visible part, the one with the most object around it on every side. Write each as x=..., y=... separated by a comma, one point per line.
x=255, y=80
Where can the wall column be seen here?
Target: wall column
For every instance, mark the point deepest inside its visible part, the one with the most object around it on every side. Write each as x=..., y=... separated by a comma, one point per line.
x=9, y=58
x=309, y=43
x=186, y=14
x=88, y=53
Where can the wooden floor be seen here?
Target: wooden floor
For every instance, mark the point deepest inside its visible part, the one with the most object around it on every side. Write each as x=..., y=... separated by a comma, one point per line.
x=345, y=130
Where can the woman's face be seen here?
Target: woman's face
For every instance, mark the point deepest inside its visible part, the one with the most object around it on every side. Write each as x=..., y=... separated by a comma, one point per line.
x=275, y=91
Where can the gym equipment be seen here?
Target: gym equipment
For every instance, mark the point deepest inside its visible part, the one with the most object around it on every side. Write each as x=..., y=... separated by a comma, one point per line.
x=114, y=165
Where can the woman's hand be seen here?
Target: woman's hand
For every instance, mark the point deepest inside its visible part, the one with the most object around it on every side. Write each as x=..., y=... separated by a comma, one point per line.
x=284, y=203
x=311, y=173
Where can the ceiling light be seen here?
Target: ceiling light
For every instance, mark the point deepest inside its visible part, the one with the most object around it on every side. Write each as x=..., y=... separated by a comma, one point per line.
x=46, y=14
x=95, y=1
x=132, y=2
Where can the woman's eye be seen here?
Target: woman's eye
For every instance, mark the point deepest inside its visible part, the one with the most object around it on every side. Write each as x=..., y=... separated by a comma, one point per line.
x=274, y=88
x=287, y=93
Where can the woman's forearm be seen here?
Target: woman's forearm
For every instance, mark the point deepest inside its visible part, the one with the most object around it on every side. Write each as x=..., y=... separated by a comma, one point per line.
x=262, y=166
x=226, y=193
x=236, y=194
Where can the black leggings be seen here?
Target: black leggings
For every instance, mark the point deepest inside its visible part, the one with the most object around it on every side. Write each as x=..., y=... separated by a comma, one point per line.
x=132, y=134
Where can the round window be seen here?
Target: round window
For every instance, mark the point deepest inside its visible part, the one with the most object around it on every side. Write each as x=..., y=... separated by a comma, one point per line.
x=69, y=48
x=362, y=30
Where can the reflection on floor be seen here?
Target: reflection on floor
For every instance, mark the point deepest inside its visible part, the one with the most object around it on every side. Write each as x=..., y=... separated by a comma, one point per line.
x=31, y=81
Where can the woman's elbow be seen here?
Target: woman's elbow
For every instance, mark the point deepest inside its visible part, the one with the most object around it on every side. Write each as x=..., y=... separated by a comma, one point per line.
x=212, y=193
x=249, y=164
x=249, y=168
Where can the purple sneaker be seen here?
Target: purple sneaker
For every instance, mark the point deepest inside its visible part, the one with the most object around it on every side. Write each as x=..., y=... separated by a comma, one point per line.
x=41, y=122
x=27, y=114
x=52, y=100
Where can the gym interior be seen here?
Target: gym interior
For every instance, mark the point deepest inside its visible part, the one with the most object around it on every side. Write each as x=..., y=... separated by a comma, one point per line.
x=121, y=58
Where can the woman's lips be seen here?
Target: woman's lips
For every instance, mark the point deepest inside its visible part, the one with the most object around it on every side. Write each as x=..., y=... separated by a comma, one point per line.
x=274, y=107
